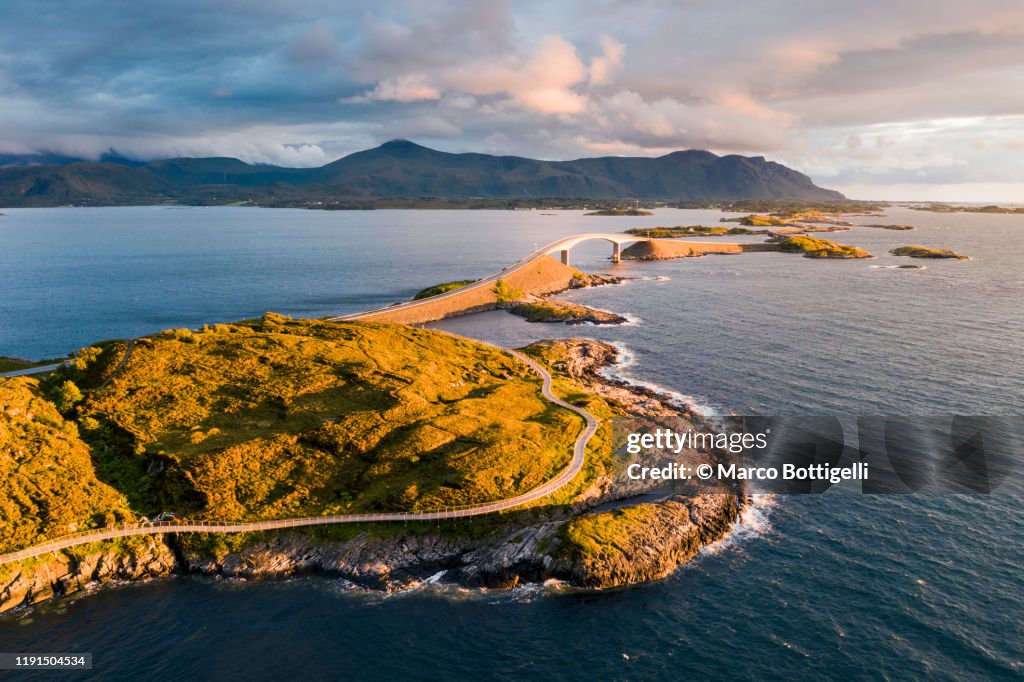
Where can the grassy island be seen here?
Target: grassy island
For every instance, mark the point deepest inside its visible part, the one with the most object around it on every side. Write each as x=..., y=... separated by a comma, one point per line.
x=949, y=208
x=812, y=247
x=562, y=311
x=690, y=231
x=927, y=252
x=442, y=288
x=634, y=212
x=760, y=221
x=273, y=418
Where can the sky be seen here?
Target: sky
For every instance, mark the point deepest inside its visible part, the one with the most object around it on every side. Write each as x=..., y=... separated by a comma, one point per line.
x=880, y=99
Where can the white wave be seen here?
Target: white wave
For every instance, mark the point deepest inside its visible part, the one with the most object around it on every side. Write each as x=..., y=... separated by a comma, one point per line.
x=897, y=267
x=645, y=278
x=754, y=522
x=627, y=358
x=434, y=578
x=631, y=319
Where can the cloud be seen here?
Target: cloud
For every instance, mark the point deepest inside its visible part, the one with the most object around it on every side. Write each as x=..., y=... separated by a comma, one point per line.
x=411, y=87
x=539, y=80
x=316, y=45
x=602, y=68
x=734, y=122
x=858, y=94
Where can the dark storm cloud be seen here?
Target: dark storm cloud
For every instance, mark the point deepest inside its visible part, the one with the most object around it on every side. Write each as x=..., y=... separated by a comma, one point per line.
x=866, y=94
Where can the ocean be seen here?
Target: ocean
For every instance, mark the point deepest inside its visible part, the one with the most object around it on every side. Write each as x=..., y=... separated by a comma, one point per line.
x=836, y=585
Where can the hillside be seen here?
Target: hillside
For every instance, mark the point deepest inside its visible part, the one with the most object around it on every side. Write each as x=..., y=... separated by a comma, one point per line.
x=50, y=486
x=403, y=169
x=283, y=417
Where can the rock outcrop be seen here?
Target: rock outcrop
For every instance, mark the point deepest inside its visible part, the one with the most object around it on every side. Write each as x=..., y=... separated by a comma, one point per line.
x=82, y=569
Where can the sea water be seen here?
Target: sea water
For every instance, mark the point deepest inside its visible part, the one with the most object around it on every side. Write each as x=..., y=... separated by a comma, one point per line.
x=840, y=586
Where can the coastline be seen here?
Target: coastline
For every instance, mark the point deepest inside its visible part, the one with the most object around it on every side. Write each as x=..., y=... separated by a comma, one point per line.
x=524, y=547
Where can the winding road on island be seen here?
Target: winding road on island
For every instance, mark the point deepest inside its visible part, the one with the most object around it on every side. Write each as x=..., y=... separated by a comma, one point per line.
x=162, y=527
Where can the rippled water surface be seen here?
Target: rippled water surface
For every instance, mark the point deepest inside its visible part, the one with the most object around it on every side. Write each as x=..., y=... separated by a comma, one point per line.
x=840, y=586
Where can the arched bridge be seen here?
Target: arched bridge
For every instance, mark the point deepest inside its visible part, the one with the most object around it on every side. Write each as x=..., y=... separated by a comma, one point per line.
x=561, y=246
x=617, y=240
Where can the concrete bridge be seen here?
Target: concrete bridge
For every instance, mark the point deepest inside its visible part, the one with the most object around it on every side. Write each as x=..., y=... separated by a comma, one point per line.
x=563, y=246
x=404, y=312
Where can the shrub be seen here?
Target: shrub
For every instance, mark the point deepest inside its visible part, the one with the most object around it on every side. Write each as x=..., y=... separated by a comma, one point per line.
x=65, y=396
x=506, y=293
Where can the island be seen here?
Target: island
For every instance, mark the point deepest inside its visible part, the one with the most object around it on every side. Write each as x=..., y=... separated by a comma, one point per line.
x=530, y=301
x=891, y=227
x=563, y=311
x=443, y=288
x=619, y=212
x=807, y=219
x=821, y=248
x=927, y=252
x=949, y=208
x=278, y=419
x=690, y=231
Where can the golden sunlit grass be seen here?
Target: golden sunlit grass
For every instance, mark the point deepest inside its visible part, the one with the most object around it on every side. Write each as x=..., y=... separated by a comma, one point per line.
x=49, y=484
x=812, y=247
x=282, y=417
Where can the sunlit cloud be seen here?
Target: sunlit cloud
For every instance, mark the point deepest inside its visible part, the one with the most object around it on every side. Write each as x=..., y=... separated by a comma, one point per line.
x=863, y=96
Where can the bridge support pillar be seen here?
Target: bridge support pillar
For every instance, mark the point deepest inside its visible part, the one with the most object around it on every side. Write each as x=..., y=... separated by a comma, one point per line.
x=616, y=252
x=565, y=256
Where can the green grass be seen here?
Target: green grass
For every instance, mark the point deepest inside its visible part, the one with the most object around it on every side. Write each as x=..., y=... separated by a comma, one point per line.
x=812, y=247
x=562, y=311
x=549, y=311
x=442, y=288
x=506, y=293
x=606, y=533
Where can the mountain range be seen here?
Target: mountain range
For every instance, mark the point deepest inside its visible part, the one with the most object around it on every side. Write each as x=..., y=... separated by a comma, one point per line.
x=399, y=169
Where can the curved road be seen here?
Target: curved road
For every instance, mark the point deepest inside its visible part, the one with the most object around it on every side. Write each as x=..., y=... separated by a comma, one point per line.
x=160, y=527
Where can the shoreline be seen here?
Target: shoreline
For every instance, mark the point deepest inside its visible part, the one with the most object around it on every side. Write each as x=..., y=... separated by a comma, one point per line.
x=391, y=567
x=391, y=563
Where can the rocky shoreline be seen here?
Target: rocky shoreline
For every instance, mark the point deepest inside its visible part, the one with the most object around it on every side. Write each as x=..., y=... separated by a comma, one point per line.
x=532, y=546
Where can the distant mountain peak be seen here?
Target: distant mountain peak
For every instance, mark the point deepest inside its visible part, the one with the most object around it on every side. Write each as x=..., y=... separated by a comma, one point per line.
x=403, y=145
